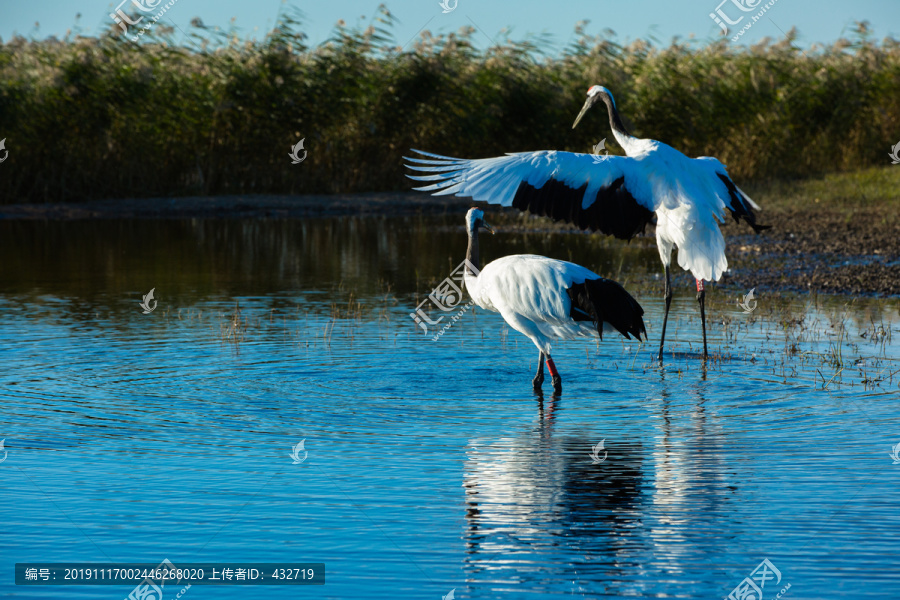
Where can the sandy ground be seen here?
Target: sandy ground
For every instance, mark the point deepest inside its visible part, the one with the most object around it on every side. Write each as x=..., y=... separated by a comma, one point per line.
x=809, y=249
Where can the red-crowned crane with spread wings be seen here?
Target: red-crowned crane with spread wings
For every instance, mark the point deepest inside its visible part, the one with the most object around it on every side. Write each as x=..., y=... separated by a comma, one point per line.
x=616, y=195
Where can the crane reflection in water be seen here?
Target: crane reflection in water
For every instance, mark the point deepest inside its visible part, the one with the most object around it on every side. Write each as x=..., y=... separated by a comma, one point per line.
x=538, y=506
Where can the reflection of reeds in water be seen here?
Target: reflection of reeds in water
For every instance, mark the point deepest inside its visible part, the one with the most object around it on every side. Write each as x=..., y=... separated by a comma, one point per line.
x=343, y=318
x=817, y=344
x=233, y=330
x=814, y=341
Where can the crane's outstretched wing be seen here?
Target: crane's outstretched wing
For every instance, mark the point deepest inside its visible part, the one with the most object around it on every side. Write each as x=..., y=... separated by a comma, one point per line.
x=592, y=192
x=739, y=203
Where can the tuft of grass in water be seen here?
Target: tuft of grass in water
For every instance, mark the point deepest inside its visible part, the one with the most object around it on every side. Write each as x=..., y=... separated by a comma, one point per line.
x=211, y=114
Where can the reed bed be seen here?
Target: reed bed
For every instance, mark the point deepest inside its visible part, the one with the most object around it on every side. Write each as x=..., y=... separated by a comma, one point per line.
x=209, y=113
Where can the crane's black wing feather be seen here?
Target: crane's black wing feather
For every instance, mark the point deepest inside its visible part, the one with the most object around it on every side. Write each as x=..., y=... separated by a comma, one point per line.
x=588, y=191
x=614, y=212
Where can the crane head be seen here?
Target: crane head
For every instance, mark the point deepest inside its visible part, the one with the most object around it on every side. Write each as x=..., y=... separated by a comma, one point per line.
x=595, y=94
x=475, y=219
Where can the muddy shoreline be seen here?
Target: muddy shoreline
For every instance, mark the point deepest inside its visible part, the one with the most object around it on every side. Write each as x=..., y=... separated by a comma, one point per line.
x=854, y=251
x=817, y=248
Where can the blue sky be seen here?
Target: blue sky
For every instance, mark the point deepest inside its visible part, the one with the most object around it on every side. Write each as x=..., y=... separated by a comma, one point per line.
x=817, y=21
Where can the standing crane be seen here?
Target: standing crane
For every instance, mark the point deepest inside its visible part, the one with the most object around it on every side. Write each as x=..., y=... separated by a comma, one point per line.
x=547, y=299
x=616, y=195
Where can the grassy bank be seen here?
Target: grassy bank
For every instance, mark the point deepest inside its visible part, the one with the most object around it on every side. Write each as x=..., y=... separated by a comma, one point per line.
x=89, y=118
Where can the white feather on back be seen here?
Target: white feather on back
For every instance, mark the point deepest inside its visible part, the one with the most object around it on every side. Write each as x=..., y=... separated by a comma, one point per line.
x=529, y=291
x=691, y=203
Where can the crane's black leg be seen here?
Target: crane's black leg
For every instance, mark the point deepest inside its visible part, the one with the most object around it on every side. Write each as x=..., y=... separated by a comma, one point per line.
x=557, y=380
x=701, y=295
x=539, y=377
x=662, y=338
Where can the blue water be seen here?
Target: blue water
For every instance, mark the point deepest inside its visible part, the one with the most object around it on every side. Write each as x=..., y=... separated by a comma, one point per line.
x=431, y=465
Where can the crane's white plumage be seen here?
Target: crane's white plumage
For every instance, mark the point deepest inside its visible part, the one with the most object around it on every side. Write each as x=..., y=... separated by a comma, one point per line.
x=529, y=292
x=547, y=299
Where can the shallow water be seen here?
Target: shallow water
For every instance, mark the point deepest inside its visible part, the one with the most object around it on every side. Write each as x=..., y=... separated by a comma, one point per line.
x=432, y=466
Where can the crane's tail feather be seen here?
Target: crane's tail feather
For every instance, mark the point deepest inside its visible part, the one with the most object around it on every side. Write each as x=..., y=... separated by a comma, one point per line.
x=605, y=301
x=742, y=206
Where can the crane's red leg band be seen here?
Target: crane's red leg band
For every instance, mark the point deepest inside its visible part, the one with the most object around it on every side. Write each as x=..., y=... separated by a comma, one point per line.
x=699, y=285
x=552, y=367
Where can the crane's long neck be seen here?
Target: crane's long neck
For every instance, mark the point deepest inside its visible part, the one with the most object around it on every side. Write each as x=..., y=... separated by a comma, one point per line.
x=472, y=253
x=615, y=123
x=469, y=276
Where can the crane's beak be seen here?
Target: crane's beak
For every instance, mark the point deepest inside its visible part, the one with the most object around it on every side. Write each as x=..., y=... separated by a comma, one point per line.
x=488, y=227
x=587, y=104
